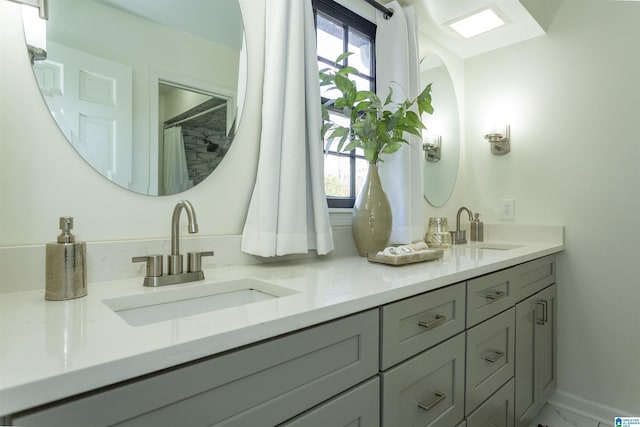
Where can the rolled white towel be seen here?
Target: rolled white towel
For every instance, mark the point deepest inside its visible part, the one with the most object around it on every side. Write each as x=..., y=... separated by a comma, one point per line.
x=391, y=251
x=419, y=246
x=405, y=249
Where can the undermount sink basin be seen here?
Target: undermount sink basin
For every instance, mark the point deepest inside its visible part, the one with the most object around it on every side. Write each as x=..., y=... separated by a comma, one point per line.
x=161, y=305
x=497, y=246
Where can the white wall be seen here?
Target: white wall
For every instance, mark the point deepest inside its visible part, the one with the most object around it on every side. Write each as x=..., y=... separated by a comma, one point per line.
x=42, y=178
x=571, y=97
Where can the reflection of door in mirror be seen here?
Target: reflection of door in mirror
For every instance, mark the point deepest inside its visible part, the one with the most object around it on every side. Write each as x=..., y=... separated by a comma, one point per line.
x=205, y=130
x=91, y=99
x=443, y=126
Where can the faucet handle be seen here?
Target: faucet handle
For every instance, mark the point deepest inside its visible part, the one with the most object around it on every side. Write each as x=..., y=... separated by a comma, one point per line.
x=194, y=260
x=154, y=264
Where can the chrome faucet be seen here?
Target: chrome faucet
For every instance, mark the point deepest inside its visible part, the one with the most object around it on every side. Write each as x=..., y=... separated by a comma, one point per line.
x=175, y=274
x=459, y=237
x=175, y=259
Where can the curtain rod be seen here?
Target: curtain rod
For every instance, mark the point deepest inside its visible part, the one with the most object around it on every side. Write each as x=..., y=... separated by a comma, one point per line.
x=388, y=13
x=202, y=113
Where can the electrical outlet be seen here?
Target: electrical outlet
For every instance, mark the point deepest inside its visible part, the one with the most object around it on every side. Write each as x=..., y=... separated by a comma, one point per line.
x=507, y=209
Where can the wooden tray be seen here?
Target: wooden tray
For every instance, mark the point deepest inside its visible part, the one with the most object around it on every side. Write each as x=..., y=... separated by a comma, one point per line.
x=422, y=256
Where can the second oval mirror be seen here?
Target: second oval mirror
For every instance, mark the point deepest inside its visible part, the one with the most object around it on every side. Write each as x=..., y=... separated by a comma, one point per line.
x=147, y=92
x=441, y=143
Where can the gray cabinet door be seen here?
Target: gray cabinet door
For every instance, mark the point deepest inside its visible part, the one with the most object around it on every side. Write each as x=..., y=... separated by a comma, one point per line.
x=490, y=357
x=358, y=407
x=426, y=390
x=536, y=343
x=264, y=384
x=546, y=343
x=497, y=411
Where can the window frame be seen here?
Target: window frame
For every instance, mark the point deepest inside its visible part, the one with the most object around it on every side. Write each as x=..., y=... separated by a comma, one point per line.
x=349, y=20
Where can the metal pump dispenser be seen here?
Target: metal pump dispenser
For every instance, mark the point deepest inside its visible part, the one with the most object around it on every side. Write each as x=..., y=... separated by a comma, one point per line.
x=66, y=273
x=477, y=229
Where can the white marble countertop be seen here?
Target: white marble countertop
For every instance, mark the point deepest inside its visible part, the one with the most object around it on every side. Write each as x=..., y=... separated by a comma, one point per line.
x=54, y=349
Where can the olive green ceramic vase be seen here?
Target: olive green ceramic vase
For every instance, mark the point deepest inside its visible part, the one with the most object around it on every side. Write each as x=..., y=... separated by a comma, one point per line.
x=371, y=221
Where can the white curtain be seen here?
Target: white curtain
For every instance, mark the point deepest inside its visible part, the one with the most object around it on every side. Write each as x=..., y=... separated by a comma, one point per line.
x=288, y=210
x=175, y=175
x=401, y=173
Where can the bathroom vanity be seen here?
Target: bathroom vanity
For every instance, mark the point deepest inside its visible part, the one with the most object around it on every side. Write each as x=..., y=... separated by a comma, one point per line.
x=469, y=338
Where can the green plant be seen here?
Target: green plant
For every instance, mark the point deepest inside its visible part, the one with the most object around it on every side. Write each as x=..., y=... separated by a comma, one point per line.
x=374, y=126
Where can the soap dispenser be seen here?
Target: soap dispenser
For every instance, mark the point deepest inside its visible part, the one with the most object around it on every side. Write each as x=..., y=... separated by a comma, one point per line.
x=66, y=273
x=477, y=229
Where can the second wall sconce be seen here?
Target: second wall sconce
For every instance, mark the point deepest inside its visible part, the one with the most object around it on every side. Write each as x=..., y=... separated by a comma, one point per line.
x=500, y=139
x=433, y=148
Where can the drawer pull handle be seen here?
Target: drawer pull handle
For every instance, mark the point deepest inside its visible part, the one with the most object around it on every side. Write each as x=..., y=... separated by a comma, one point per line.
x=438, y=320
x=545, y=313
x=495, y=295
x=493, y=356
x=429, y=405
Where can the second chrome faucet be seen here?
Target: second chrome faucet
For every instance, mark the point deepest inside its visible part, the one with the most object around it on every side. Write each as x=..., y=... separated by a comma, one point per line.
x=175, y=273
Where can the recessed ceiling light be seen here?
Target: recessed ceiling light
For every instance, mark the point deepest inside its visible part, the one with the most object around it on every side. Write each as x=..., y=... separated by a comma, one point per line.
x=477, y=22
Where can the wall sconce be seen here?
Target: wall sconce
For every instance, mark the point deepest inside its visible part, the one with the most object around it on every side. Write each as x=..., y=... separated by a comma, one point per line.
x=499, y=137
x=433, y=149
x=35, y=22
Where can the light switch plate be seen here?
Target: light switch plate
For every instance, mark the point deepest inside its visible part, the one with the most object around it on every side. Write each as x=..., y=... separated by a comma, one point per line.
x=507, y=209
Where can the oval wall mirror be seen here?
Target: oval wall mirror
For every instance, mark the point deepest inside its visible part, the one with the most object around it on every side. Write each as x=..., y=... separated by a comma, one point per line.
x=149, y=93
x=441, y=142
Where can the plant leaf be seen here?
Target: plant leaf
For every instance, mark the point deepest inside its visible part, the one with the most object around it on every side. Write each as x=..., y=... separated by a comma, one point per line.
x=339, y=131
x=348, y=70
x=389, y=97
x=344, y=85
x=325, y=129
x=342, y=56
x=409, y=129
x=391, y=147
x=414, y=120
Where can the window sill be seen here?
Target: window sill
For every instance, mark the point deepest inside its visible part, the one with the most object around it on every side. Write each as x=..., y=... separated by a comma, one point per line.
x=340, y=217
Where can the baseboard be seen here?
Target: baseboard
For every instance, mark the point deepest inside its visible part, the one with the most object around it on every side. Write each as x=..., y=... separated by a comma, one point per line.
x=587, y=408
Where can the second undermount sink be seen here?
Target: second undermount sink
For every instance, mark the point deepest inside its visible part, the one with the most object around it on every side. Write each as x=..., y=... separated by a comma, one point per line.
x=497, y=246
x=162, y=305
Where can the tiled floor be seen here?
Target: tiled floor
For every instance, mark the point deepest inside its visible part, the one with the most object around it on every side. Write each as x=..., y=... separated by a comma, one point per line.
x=553, y=417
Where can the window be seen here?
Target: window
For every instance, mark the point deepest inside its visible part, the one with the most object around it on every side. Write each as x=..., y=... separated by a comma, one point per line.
x=340, y=30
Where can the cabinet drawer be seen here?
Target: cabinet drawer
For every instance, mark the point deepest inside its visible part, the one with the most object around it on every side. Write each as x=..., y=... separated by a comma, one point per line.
x=264, y=384
x=497, y=411
x=490, y=357
x=534, y=276
x=417, y=323
x=427, y=390
x=359, y=406
x=489, y=295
